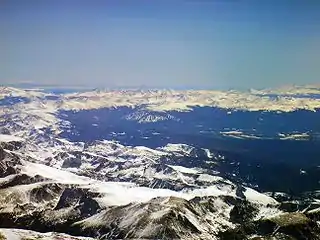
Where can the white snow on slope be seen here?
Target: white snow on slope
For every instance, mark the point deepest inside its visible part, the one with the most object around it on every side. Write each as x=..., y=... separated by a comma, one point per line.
x=209, y=154
x=122, y=193
x=209, y=178
x=58, y=175
x=20, y=234
x=239, y=135
x=10, y=138
x=177, y=148
x=298, y=136
x=184, y=169
x=257, y=197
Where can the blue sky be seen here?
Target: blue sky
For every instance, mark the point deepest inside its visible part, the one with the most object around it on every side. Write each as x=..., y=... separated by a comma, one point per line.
x=160, y=43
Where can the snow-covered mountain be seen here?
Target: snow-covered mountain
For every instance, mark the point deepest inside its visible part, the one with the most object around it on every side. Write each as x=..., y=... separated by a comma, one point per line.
x=114, y=202
x=107, y=190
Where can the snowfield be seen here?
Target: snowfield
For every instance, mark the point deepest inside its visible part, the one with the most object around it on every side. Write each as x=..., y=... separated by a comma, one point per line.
x=19, y=234
x=10, y=138
x=122, y=193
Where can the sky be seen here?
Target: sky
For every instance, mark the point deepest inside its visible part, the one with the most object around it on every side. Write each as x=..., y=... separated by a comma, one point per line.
x=160, y=43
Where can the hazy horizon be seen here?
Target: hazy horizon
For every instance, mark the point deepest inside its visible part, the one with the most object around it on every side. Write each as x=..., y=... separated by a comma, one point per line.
x=160, y=44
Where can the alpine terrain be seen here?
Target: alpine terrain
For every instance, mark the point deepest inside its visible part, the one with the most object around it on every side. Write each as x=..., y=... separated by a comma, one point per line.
x=160, y=164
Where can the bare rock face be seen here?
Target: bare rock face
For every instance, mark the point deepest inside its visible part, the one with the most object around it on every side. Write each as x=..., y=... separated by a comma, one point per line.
x=8, y=161
x=284, y=226
x=243, y=212
x=71, y=163
x=314, y=214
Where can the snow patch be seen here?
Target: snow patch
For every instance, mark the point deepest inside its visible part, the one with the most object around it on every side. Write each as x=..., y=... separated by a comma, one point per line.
x=257, y=197
x=10, y=138
x=184, y=169
x=209, y=178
